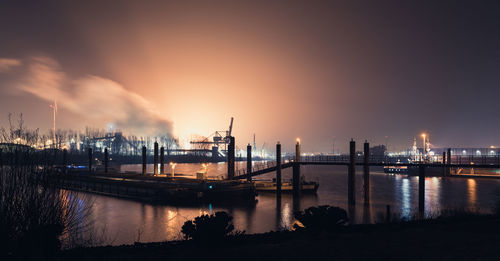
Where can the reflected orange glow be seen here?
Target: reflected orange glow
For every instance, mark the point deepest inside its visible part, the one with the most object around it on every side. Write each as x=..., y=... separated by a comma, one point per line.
x=472, y=193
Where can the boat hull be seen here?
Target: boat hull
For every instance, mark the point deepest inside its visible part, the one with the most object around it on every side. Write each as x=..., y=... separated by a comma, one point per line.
x=286, y=187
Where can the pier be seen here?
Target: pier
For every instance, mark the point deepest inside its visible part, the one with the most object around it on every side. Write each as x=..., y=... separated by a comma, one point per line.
x=443, y=166
x=178, y=190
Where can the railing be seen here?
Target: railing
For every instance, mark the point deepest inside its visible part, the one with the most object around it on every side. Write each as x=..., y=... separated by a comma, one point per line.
x=344, y=160
x=257, y=167
x=475, y=159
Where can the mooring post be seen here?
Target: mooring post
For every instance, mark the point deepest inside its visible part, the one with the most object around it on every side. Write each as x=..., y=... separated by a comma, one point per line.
x=162, y=160
x=296, y=179
x=144, y=160
x=230, y=158
x=296, y=170
x=366, y=171
x=278, y=169
x=351, y=172
x=444, y=164
x=106, y=158
x=249, y=162
x=64, y=163
x=448, y=162
x=155, y=159
x=421, y=190
x=90, y=159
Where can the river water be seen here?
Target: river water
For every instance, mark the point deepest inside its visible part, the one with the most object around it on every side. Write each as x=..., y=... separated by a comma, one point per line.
x=126, y=221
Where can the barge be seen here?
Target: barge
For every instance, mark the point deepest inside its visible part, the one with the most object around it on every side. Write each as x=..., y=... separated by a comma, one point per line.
x=430, y=171
x=286, y=186
x=171, y=190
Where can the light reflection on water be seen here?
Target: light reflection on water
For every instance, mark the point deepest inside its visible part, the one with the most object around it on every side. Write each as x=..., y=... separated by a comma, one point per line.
x=126, y=221
x=471, y=189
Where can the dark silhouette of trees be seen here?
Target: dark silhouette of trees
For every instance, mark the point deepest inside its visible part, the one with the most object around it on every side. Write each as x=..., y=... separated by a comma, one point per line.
x=321, y=218
x=209, y=228
x=35, y=216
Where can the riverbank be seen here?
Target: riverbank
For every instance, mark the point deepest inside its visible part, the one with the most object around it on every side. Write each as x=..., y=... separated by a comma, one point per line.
x=464, y=238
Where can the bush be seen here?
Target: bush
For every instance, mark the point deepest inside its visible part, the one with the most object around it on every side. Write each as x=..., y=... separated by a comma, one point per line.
x=209, y=228
x=34, y=216
x=321, y=218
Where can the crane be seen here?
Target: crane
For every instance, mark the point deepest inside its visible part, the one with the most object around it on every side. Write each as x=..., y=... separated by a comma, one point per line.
x=217, y=138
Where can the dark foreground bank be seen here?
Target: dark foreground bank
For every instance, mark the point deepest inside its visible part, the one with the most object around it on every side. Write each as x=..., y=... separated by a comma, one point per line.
x=466, y=238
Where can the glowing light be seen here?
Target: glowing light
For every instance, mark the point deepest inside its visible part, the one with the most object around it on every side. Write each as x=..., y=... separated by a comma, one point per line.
x=298, y=140
x=173, y=164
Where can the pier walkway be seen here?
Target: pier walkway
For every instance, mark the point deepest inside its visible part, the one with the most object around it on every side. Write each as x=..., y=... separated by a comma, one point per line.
x=476, y=162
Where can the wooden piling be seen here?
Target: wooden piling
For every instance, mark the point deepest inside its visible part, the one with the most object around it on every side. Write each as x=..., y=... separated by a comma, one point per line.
x=144, y=160
x=90, y=159
x=296, y=170
x=278, y=169
x=444, y=164
x=366, y=172
x=351, y=173
x=448, y=161
x=230, y=158
x=249, y=162
x=278, y=211
x=155, y=159
x=162, y=160
x=106, y=158
x=421, y=190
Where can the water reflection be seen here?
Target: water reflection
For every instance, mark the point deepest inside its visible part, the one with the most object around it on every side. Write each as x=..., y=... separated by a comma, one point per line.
x=405, y=198
x=127, y=221
x=286, y=218
x=432, y=195
x=471, y=190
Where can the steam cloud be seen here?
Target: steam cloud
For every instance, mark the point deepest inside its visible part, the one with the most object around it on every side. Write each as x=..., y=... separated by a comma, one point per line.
x=96, y=98
x=6, y=64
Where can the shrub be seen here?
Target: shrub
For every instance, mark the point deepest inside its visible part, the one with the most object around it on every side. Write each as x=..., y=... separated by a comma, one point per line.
x=34, y=216
x=321, y=218
x=209, y=228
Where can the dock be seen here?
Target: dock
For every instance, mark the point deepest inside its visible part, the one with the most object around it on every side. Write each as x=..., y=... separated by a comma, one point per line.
x=176, y=190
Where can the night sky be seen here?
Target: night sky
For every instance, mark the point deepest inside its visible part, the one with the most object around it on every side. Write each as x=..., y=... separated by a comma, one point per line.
x=318, y=70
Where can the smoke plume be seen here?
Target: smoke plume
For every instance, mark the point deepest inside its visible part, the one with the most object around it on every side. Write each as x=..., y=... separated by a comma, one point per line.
x=6, y=64
x=98, y=99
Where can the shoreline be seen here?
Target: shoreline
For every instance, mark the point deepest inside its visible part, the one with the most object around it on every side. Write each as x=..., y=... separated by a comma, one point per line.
x=451, y=238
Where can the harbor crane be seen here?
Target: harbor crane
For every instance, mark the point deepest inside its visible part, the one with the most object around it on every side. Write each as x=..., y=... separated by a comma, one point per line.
x=217, y=139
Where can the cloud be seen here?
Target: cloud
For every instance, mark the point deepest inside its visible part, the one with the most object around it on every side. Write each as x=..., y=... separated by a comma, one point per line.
x=96, y=98
x=6, y=64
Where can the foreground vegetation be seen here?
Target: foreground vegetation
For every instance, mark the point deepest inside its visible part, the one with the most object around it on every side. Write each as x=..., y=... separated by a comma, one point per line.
x=454, y=235
x=37, y=220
